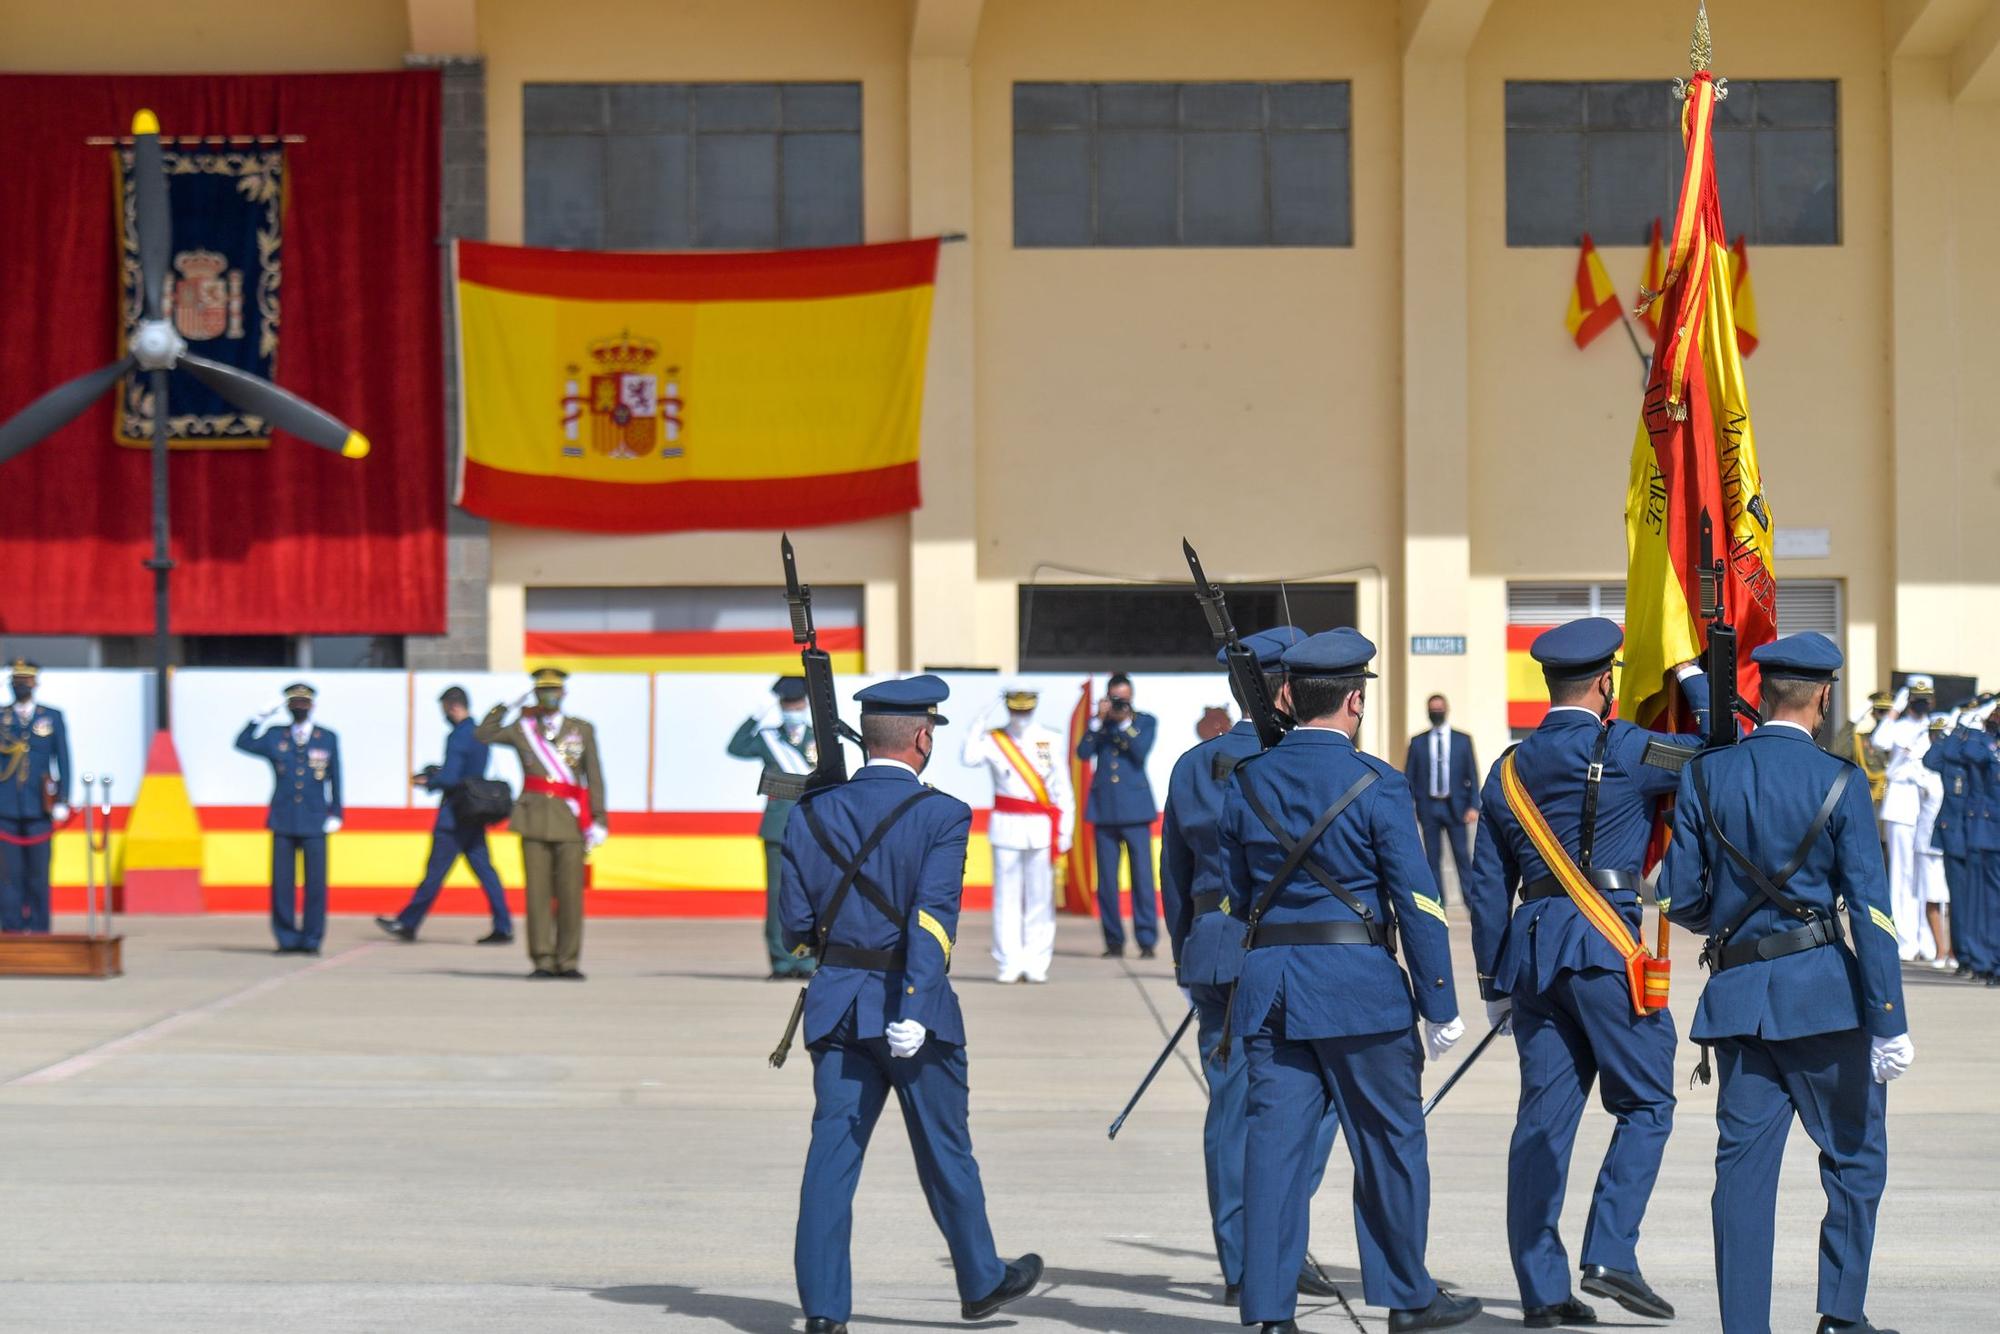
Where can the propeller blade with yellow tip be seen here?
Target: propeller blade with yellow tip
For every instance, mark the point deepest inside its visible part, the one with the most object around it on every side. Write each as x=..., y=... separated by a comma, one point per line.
x=155, y=222
x=279, y=408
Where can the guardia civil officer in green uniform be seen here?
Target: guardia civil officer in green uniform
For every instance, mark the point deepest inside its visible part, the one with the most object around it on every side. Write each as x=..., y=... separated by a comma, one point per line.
x=1771, y=837
x=782, y=738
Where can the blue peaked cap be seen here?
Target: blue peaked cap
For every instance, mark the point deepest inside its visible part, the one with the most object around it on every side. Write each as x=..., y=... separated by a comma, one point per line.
x=1578, y=650
x=1342, y=652
x=1804, y=657
x=912, y=697
x=1268, y=645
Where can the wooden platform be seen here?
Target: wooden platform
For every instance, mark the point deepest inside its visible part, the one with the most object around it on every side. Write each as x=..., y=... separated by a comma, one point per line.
x=65, y=954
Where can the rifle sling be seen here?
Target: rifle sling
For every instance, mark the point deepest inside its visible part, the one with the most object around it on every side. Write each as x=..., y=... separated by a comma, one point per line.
x=1298, y=855
x=850, y=871
x=1593, y=778
x=1770, y=887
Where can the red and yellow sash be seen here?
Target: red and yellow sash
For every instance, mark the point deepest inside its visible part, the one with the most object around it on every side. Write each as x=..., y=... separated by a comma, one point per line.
x=1646, y=976
x=1042, y=804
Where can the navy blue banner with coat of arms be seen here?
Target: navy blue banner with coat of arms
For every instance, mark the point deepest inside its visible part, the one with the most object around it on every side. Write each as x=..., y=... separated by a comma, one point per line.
x=228, y=209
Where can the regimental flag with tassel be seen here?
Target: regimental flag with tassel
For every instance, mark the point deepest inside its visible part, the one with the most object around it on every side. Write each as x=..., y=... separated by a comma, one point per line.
x=1078, y=892
x=1593, y=302
x=1743, y=298
x=1694, y=462
x=1650, y=283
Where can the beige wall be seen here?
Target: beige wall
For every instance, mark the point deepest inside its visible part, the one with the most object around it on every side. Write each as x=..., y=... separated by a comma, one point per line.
x=201, y=36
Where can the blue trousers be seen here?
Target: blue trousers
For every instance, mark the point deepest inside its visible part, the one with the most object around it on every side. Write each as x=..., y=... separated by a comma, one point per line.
x=1825, y=1082
x=1137, y=839
x=289, y=931
x=1961, y=881
x=24, y=876
x=1225, y=1132
x=852, y=1078
x=447, y=846
x=1373, y=1084
x=1983, y=887
x=1439, y=826
x=1579, y=1032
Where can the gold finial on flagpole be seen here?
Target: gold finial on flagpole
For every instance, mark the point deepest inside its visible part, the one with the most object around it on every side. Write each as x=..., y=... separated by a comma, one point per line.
x=1701, y=50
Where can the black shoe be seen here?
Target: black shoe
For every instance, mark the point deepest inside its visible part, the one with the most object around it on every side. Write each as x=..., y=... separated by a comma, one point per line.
x=541, y=973
x=286, y=949
x=1569, y=1311
x=1628, y=1290
x=494, y=938
x=1279, y=1327
x=1312, y=1283
x=1110, y=953
x=1232, y=1293
x=1828, y=1325
x=819, y=1324
x=1018, y=1282
x=1444, y=1311
x=397, y=929
x=1145, y=951
x=570, y=975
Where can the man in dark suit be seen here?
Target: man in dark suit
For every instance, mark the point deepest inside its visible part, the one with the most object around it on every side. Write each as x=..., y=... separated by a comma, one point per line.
x=464, y=757
x=1444, y=778
x=1122, y=808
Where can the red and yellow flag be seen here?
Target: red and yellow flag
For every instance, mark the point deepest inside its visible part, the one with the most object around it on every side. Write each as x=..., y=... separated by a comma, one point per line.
x=1652, y=280
x=1694, y=461
x=609, y=392
x=1079, y=882
x=1743, y=298
x=1593, y=304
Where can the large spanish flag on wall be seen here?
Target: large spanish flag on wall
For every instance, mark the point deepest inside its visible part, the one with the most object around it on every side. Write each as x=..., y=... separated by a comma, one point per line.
x=1695, y=492
x=614, y=392
x=756, y=651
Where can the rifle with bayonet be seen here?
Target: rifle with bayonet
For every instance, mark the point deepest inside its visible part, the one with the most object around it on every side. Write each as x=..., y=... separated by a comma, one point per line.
x=1244, y=672
x=1725, y=705
x=830, y=765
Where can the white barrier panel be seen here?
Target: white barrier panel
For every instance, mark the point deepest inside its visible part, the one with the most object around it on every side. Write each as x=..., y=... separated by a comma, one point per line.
x=673, y=728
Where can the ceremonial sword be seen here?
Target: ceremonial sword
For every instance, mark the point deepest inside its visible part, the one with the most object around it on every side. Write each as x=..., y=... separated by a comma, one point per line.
x=1147, y=1082
x=1463, y=1066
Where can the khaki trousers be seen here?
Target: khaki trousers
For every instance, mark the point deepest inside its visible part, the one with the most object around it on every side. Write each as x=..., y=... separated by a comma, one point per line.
x=554, y=872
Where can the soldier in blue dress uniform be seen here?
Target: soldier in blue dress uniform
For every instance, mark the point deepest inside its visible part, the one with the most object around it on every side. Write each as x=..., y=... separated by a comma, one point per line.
x=34, y=799
x=1319, y=845
x=874, y=870
x=465, y=756
x=1121, y=808
x=1770, y=837
x=1968, y=833
x=1207, y=941
x=305, y=808
x=1562, y=985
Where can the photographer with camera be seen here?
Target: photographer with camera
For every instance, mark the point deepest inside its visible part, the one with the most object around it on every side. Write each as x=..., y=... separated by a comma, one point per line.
x=456, y=834
x=1122, y=808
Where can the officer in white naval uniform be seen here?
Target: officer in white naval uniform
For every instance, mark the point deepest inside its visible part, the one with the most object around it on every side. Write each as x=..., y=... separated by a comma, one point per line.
x=1033, y=810
x=1902, y=738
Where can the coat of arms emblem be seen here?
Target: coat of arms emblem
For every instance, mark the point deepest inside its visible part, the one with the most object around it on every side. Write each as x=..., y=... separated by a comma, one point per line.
x=634, y=408
x=207, y=296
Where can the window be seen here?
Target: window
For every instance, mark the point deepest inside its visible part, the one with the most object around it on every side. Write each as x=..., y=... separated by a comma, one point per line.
x=686, y=629
x=1181, y=164
x=1118, y=627
x=667, y=166
x=50, y=650
x=1606, y=158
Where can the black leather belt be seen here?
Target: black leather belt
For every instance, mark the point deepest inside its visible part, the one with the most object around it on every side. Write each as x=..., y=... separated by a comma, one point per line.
x=849, y=956
x=1207, y=903
x=1820, y=931
x=1318, y=933
x=1604, y=877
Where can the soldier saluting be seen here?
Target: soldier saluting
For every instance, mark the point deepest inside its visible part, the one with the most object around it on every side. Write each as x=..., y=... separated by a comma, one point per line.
x=34, y=799
x=1769, y=836
x=874, y=871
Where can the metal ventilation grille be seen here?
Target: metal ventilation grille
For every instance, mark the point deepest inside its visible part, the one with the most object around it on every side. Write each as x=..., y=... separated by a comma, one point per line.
x=1809, y=604
x=1553, y=604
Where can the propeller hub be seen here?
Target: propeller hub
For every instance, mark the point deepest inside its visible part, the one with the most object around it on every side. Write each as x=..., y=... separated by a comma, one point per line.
x=156, y=345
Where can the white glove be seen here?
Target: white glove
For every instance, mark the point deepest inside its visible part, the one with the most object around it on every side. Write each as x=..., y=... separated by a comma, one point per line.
x=1900, y=702
x=905, y=1037
x=1439, y=1038
x=593, y=838
x=267, y=715
x=333, y=824
x=1890, y=1058
x=1187, y=997
x=1500, y=1014
x=59, y=813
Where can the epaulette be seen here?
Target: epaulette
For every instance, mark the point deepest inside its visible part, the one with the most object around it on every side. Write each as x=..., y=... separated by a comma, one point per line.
x=1664, y=754
x=1222, y=764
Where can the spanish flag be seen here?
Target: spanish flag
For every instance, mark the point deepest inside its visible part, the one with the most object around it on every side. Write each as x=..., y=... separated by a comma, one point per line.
x=1694, y=477
x=1078, y=892
x=1743, y=297
x=1652, y=280
x=1593, y=305
x=609, y=392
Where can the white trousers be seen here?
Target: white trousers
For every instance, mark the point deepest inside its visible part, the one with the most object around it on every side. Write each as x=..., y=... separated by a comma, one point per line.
x=1024, y=912
x=1906, y=892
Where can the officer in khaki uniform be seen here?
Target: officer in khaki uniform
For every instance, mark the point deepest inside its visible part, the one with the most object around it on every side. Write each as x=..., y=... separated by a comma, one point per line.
x=560, y=817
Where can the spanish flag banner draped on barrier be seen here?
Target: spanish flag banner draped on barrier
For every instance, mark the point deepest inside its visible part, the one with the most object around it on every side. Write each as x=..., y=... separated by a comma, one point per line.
x=609, y=392
x=1694, y=461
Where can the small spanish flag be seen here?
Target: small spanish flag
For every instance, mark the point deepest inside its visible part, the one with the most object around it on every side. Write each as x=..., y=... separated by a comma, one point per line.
x=1744, y=298
x=1652, y=280
x=1593, y=305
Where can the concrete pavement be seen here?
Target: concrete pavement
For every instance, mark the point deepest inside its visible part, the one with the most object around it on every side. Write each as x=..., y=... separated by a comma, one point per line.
x=416, y=1138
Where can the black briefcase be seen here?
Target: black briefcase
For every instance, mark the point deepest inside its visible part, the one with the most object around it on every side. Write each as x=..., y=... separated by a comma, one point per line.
x=481, y=801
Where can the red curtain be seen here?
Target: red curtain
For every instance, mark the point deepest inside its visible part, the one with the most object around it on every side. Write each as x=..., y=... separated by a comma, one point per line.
x=284, y=540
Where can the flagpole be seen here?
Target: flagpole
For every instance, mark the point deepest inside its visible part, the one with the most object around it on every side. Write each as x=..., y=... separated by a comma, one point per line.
x=1645, y=360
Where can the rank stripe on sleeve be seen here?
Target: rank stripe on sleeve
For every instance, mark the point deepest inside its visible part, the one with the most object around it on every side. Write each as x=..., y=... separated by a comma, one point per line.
x=1882, y=919
x=936, y=929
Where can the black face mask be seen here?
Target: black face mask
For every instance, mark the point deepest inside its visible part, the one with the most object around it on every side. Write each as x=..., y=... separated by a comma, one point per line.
x=300, y=710
x=548, y=700
x=1437, y=717
x=927, y=748
x=24, y=694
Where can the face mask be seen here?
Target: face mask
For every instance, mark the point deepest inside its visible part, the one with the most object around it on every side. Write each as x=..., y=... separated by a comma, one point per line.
x=794, y=718
x=924, y=748
x=24, y=694
x=549, y=700
x=1604, y=714
x=300, y=710
x=1437, y=717
x=1017, y=723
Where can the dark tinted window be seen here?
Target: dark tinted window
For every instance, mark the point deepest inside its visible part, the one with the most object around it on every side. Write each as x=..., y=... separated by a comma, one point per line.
x=1159, y=628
